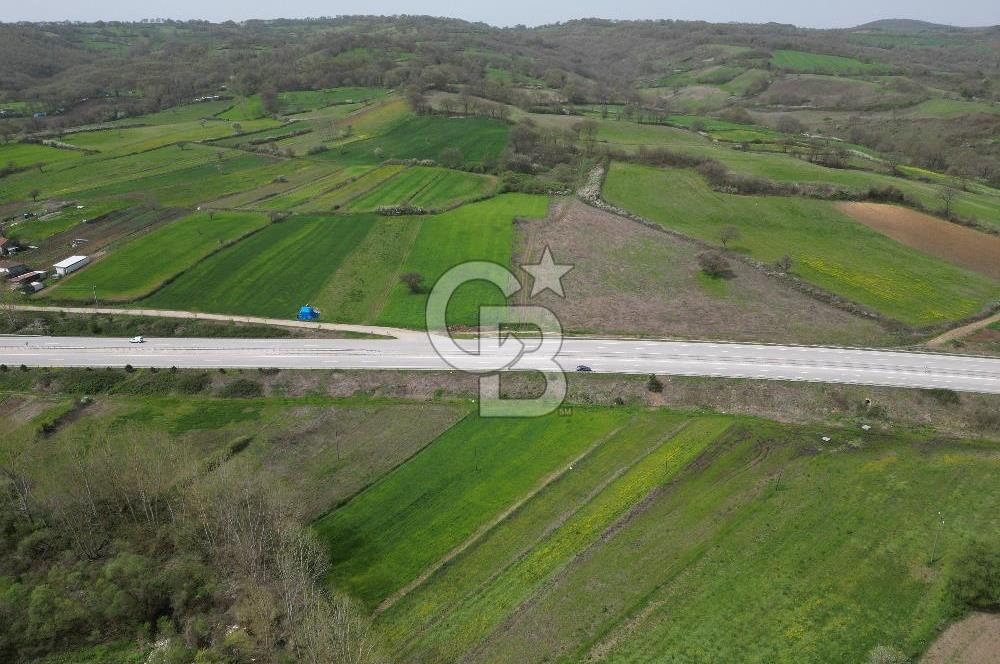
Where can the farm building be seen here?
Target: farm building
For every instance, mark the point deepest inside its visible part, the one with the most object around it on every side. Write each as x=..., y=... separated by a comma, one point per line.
x=35, y=275
x=71, y=264
x=12, y=271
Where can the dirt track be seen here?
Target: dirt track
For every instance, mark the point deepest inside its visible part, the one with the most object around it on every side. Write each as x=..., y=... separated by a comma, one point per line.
x=975, y=640
x=956, y=244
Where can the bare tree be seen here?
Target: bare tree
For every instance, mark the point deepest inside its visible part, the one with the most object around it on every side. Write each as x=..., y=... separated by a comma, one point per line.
x=947, y=195
x=729, y=234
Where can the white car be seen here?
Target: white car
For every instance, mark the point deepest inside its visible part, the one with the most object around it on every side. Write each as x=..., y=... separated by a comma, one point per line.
x=137, y=340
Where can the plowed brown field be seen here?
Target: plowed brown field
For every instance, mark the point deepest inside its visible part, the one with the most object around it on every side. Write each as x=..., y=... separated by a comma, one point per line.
x=956, y=244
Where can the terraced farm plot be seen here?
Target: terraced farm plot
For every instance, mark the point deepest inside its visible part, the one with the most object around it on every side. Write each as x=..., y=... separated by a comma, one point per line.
x=453, y=187
x=950, y=242
x=612, y=496
x=271, y=273
x=117, y=142
x=62, y=180
x=425, y=137
x=179, y=114
x=686, y=576
x=311, y=191
x=27, y=155
x=827, y=248
x=209, y=181
x=340, y=196
x=146, y=263
x=816, y=63
x=299, y=101
x=36, y=230
x=478, y=231
x=426, y=188
x=479, y=468
x=277, y=134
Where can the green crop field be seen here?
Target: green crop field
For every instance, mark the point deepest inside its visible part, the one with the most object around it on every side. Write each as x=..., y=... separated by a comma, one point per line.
x=642, y=534
x=423, y=187
x=951, y=108
x=179, y=114
x=27, y=155
x=64, y=178
x=145, y=263
x=307, y=100
x=116, y=142
x=386, y=536
x=452, y=187
x=312, y=190
x=243, y=109
x=272, y=273
x=815, y=63
x=341, y=195
x=826, y=247
x=208, y=181
x=658, y=459
x=425, y=137
x=978, y=202
x=478, y=231
x=37, y=230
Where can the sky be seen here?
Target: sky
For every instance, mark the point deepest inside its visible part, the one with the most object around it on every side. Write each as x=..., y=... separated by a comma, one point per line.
x=844, y=13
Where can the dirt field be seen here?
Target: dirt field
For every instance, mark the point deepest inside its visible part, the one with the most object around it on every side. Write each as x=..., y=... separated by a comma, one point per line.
x=975, y=640
x=956, y=244
x=632, y=279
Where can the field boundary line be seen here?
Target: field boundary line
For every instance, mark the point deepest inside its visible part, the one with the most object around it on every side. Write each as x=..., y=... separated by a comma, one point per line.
x=389, y=601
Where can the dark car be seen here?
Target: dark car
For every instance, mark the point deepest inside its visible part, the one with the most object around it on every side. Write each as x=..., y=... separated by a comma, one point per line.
x=583, y=367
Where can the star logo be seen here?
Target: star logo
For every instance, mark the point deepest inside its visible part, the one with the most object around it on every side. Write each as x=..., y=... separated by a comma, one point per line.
x=546, y=274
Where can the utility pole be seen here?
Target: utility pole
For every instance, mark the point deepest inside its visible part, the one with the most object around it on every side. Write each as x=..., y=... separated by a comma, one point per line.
x=937, y=538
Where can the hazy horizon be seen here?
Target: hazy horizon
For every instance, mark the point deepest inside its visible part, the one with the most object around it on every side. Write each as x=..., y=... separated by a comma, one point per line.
x=842, y=15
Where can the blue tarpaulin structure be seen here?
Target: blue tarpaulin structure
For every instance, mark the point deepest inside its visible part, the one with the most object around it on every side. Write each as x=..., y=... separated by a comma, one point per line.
x=307, y=313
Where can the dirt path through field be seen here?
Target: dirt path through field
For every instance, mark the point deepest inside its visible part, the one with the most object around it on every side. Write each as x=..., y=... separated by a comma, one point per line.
x=963, y=331
x=975, y=640
x=973, y=250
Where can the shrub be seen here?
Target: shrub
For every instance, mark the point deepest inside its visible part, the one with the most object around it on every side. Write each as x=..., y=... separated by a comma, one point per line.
x=242, y=388
x=944, y=396
x=714, y=264
x=414, y=281
x=654, y=384
x=975, y=578
x=193, y=383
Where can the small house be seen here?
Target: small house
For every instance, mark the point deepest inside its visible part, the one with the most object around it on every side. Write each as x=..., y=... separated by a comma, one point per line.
x=71, y=264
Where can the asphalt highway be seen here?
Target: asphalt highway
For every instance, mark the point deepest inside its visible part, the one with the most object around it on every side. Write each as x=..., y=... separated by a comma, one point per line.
x=415, y=352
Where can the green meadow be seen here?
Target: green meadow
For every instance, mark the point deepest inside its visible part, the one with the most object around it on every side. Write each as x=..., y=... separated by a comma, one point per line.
x=426, y=137
x=827, y=248
x=478, y=231
x=271, y=273
x=817, y=63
